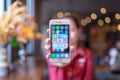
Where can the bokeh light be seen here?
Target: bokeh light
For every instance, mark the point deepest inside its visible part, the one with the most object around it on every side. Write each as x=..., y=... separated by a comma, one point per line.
x=83, y=22
x=67, y=14
x=117, y=16
x=100, y=22
x=107, y=20
x=103, y=10
x=93, y=16
x=88, y=19
x=60, y=14
x=118, y=27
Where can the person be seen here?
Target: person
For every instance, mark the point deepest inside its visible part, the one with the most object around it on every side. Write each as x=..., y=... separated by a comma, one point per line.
x=115, y=57
x=81, y=65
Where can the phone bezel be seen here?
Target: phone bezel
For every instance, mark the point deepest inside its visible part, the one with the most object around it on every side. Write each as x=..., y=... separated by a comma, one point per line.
x=60, y=22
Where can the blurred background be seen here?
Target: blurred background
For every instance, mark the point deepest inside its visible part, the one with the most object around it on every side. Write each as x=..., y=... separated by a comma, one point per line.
x=23, y=56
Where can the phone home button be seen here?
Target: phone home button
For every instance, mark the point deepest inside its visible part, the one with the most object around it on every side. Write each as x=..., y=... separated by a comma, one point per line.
x=59, y=60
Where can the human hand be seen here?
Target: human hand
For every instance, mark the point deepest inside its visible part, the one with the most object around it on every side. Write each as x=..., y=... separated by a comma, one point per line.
x=48, y=48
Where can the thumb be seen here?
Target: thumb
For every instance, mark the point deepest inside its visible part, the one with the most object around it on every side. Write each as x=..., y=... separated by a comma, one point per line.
x=48, y=56
x=72, y=51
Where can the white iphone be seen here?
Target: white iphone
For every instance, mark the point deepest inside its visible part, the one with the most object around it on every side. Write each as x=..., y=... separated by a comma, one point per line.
x=60, y=40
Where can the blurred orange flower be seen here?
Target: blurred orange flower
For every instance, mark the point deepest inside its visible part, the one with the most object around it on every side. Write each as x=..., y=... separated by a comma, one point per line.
x=16, y=22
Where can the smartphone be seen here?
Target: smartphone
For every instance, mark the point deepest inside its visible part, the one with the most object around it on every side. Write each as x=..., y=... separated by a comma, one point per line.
x=60, y=40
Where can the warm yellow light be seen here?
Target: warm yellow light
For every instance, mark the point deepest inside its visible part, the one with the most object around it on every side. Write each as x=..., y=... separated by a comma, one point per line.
x=88, y=19
x=103, y=10
x=93, y=16
x=118, y=27
x=117, y=16
x=83, y=22
x=100, y=22
x=107, y=20
x=60, y=14
x=67, y=14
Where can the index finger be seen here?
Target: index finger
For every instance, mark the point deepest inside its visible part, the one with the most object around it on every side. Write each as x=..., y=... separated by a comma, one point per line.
x=48, y=56
x=48, y=30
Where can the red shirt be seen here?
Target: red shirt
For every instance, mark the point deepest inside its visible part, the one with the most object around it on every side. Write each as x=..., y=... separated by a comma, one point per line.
x=80, y=68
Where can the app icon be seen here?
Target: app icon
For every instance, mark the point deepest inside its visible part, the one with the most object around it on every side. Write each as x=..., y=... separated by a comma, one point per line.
x=59, y=46
x=66, y=31
x=57, y=32
x=65, y=45
x=61, y=35
x=59, y=40
x=53, y=31
x=62, y=27
x=65, y=36
x=57, y=50
x=66, y=27
x=53, y=55
x=61, y=32
x=57, y=55
x=54, y=45
x=62, y=56
x=54, y=41
x=65, y=41
x=66, y=55
x=62, y=49
x=57, y=27
x=53, y=27
x=54, y=36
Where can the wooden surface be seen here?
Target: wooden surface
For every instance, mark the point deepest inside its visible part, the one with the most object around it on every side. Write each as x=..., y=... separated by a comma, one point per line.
x=30, y=69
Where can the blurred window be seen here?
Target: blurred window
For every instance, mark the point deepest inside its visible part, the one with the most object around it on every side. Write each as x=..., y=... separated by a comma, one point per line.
x=31, y=7
x=4, y=4
x=1, y=7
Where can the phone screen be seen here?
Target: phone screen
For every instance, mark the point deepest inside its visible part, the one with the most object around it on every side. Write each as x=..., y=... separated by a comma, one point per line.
x=60, y=41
